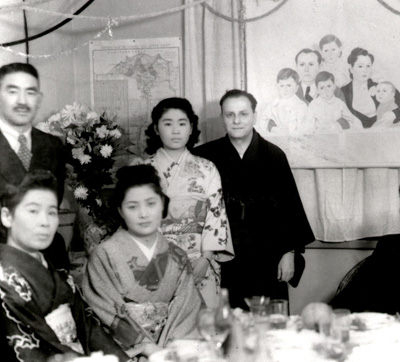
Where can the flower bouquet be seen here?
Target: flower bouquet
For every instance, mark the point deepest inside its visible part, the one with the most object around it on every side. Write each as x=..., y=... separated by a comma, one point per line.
x=91, y=141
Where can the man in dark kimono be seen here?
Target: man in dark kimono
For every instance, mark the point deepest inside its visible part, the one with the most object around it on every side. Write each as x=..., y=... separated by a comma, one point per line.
x=268, y=223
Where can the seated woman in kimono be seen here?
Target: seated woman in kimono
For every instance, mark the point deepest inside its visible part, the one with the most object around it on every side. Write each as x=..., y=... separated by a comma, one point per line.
x=197, y=220
x=139, y=284
x=41, y=312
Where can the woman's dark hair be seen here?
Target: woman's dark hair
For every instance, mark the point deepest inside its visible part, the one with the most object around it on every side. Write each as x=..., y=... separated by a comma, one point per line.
x=355, y=53
x=12, y=195
x=135, y=176
x=154, y=140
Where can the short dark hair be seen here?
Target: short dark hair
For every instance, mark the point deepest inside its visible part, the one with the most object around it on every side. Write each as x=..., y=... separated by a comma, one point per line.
x=153, y=139
x=324, y=76
x=135, y=176
x=12, y=195
x=236, y=93
x=287, y=73
x=18, y=67
x=309, y=51
x=329, y=38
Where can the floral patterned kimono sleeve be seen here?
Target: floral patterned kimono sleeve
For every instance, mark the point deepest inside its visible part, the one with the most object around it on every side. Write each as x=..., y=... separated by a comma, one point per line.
x=216, y=233
x=103, y=292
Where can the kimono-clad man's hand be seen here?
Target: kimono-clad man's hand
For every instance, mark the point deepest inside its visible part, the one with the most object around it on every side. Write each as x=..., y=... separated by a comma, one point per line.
x=286, y=267
x=200, y=267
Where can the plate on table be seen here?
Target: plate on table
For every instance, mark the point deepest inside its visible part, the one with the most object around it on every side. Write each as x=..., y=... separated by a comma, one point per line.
x=371, y=320
x=191, y=350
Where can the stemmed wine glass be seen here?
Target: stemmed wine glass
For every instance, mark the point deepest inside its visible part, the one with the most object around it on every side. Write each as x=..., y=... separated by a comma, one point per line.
x=214, y=326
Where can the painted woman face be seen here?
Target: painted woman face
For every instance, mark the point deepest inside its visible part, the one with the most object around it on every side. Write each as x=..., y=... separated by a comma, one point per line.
x=174, y=129
x=142, y=210
x=32, y=225
x=362, y=68
x=331, y=52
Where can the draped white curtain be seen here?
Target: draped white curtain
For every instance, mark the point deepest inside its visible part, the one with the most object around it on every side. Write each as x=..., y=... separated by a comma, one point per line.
x=341, y=204
x=212, y=60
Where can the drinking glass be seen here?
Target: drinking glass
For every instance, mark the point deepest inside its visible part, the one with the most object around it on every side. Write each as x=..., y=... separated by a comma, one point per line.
x=214, y=329
x=278, y=313
x=340, y=326
x=257, y=304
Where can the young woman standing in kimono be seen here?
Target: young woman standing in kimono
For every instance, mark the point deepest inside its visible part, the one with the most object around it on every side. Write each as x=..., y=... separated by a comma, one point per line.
x=42, y=314
x=138, y=283
x=197, y=220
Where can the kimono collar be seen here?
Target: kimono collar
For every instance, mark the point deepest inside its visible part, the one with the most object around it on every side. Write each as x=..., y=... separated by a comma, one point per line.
x=250, y=149
x=164, y=154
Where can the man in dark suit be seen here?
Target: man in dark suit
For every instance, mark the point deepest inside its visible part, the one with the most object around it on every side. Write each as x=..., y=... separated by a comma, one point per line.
x=308, y=63
x=24, y=148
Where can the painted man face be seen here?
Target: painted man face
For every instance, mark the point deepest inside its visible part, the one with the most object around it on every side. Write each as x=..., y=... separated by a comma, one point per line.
x=307, y=67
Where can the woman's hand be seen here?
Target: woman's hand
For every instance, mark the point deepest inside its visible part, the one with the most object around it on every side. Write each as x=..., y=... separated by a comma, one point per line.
x=200, y=267
x=286, y=267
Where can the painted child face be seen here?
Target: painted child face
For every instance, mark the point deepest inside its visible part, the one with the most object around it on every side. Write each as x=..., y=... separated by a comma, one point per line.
x=331, y=52
x=174, y=129
x=384, y=92
x=326, y=89
x=287, y=87
x=32, y=225
x=362, y=68
x=142, y=210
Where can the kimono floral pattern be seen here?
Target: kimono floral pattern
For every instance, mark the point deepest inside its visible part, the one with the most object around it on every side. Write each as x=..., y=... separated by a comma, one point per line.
x=197, y=219
x=12, y=278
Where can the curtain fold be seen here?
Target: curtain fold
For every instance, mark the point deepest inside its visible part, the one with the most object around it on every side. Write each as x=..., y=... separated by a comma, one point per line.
x=212, y=61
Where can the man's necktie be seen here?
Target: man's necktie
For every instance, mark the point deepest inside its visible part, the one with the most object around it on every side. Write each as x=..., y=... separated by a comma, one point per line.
x=23, y=153
x=307, y=96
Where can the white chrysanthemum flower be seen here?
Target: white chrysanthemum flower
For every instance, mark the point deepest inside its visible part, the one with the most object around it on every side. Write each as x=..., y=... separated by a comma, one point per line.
x=106, y=151
x=70, y=140
x=84, y=159
x=92, y=116
x=99, y=202
x=115, y=133
x=77, y=152
x=43, y=126
x=81, y=193
x=55, y=118
x=102, y=131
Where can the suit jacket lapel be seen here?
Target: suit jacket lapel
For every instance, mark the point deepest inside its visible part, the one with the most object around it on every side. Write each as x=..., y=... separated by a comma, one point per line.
x=11, y=168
